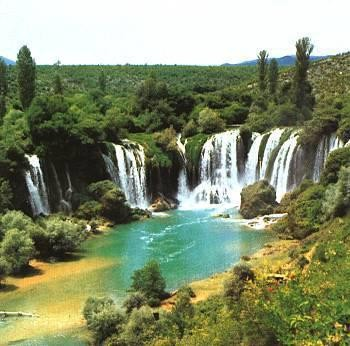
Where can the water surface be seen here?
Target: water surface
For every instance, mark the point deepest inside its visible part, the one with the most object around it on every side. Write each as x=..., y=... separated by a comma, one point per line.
x=189, y=245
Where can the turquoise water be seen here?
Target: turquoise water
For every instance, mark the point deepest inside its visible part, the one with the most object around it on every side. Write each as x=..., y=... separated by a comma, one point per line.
x=189, y=245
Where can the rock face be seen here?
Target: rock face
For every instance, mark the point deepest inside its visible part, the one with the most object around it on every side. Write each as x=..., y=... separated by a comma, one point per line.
x=258, y=199
x=162, y=203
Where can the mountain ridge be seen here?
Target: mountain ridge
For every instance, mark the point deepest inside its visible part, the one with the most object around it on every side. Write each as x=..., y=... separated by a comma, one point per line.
x=7, y=61
x=286, y=60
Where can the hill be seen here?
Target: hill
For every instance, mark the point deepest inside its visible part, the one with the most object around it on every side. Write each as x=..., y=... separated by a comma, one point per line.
x=287, y=60
x=7, y=61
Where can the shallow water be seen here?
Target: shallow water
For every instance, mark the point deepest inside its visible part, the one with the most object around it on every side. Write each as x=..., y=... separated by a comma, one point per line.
x=189, y=245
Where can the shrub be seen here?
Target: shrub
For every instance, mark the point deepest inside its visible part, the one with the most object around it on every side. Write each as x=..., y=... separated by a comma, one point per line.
x=62, y=236
x=335, y=160
x=134, y=301
x=190, y=129
x=166, y=139
x=141, y=327
x=89, y=210
x=235, y=114
x=17, y=249
x=102, y=318
x=210, y=122
x=149, y=281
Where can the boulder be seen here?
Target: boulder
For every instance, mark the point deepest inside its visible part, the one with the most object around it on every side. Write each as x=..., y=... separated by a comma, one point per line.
x=258, y=199
x=162, y=203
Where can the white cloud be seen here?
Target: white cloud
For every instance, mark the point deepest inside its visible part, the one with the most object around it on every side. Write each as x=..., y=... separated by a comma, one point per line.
x=169, y=32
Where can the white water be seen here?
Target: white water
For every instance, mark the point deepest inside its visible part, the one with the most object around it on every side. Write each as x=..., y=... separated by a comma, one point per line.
x=65, y=205
x=271, y=145
x=281, y=167
x=183, y=185
x=131, y=173
x=219, y=183
x=34, y=178
x=219, y=178
x=326, y=145
x=252, y=166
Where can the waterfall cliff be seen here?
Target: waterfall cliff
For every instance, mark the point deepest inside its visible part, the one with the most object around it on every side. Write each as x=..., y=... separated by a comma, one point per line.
x=127, y=169
x=34, y=177
x=277, y=158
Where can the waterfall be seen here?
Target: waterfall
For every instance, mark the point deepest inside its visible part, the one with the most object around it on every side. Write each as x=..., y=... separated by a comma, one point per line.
x=251, y=173
x=111, y=169
x=326, y=145
x=131, y=173
x=219, y=181
x=34, y=178
x=271, y=144
x=64, y=204
x=183, y=191
x=281, y=166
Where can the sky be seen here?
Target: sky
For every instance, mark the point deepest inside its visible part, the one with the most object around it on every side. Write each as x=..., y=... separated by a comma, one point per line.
x=193, y=32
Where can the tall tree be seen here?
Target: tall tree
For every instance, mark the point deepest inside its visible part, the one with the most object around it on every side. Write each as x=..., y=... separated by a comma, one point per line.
x=262, y=69
x=26, y=73
x=302, y=88
x=2, y=105
x=57, y=85
x=273, y=76
x=3, y=77
x=102, y=81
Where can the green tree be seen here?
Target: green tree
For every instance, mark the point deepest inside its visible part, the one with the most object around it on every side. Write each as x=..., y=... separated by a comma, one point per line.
x=26, y=73
x=3, y=78
x=4, y=269
x=149, y=281
x=134, y=301
x=273, y=76
x=103, y=318
x=102, y=81
x=302, y=88
x=57, y=85
x=2, y=105
x=210, y=121
x=17, y=248
x=262, y=69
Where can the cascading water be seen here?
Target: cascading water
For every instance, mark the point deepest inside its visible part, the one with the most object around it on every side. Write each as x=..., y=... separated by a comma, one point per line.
x=63, y=198
x=219, y=181
x=281, y=166
x=271, y=145
x=183, y=188
x=251, y=173
x=326, y=145
x=34, y=178
x=131, y=173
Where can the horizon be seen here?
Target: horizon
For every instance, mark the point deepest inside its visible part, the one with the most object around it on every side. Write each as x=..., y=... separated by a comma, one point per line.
x=185, y=34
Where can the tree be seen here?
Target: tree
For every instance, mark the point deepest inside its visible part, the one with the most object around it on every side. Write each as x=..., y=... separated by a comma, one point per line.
x=103, y=318
x=17, y=248
x=3, y=78
x=134, y=301
x=149, y=281
x=4, y=269
x=273, y=76
x=102, y=81
x=262, y=69
x=26, y=73
x=210, y=121
x=2, y=105
x=57, y=85
x=302, y=88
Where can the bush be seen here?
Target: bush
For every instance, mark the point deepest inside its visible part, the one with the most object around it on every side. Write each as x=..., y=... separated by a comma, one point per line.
x=149, y=281
x=112, y=200
x=17, y=249
x=141, y=327
x=190, y=129
x=166, y=139
x=62, y=236
x=235, y=114
x=89, y=210
x=134, y=301
x=102, y=318
x=335, y=160
x=210, y=122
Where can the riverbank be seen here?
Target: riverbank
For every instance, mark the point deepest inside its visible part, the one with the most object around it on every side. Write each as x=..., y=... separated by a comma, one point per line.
x=272, y=258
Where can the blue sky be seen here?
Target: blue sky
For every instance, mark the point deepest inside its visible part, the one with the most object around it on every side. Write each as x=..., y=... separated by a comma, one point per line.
x=199, y=32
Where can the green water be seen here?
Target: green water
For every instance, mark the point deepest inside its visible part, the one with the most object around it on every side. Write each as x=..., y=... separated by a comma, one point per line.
x=189, y=245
